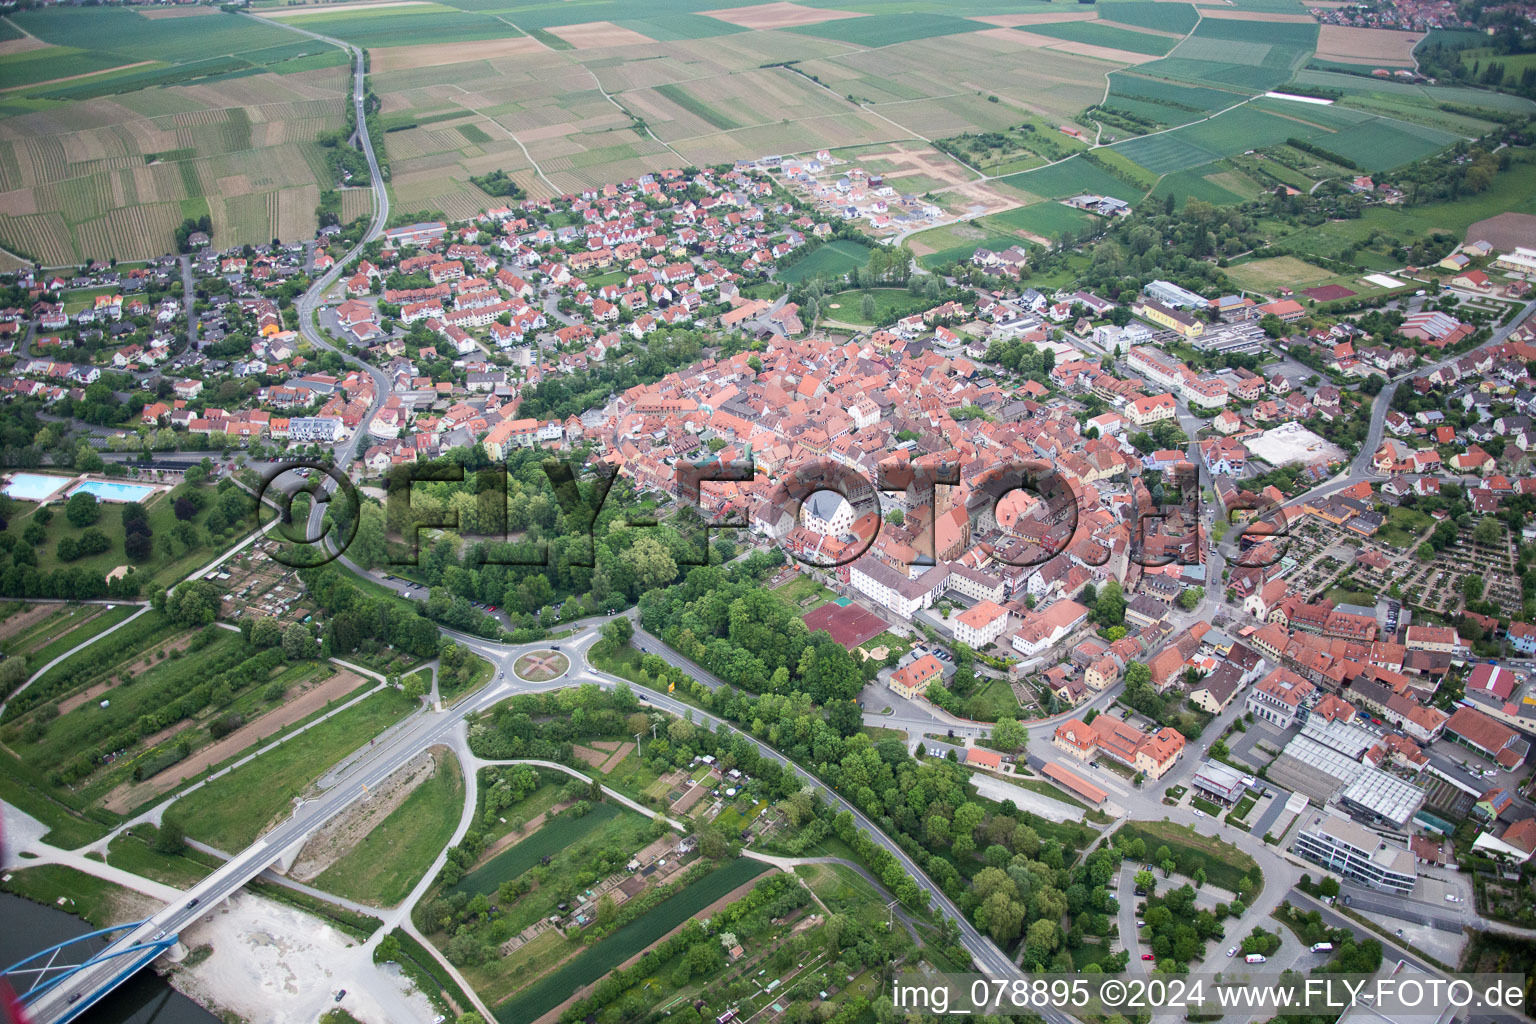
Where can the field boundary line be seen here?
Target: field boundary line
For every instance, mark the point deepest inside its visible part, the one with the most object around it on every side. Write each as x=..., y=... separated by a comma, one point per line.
x=527, y=155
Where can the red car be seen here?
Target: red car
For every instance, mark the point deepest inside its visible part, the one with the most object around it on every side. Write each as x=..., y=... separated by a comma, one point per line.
x=1147, y=956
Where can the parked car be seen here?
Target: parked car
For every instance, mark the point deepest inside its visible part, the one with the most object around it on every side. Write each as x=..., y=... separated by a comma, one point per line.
x=1147, y=956
x=1232, y=951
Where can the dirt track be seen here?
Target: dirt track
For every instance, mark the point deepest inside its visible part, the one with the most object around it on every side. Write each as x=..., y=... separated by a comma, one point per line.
x=126, y=797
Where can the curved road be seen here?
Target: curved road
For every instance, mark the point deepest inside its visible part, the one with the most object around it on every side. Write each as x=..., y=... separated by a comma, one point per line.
x=313, y=299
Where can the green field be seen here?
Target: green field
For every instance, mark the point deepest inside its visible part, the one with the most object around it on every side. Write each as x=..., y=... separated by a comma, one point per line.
x=1225, y=866
x=891, y=304
x=1048, y=220
x=955, y=243
x=45, y=65
x=1194, y=184
x=231, y=812
x=96, y=901
x=1287, y=271
x=124, y=33
x=886, y=29
x=1232, y=131
x=834, y=259
x=408, y=26
x=556, y=834
x=1071, y=177
x=390, y=860
x=1107, y=35
x=1153, y=14
x=553, y=989
x=81, y=628
x=131, y=851
x=691, y=103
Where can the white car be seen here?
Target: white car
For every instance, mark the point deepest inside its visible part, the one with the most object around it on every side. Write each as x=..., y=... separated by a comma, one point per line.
x=1451, y=898
x=1232, y=951
x=1199, y=813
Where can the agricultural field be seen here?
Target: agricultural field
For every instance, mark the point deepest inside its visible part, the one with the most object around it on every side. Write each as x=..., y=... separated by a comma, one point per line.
x=214, y=114
x=1099, y=34
x=556, y=835
x=1041, y=220
x=833, y=259
x=418, y=24
x=126, y=719
x=1070, y=178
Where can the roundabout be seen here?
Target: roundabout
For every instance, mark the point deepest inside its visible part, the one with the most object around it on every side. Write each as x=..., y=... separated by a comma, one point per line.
x=541, y=666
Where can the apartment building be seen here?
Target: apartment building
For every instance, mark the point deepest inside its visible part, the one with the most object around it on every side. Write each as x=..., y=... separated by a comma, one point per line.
x=1354, y=851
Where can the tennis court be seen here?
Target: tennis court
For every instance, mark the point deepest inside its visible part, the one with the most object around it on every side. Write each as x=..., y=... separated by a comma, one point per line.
x=848, y=625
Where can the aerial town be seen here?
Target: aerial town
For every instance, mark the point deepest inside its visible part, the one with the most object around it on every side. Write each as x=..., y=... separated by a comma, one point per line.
x=762, y=589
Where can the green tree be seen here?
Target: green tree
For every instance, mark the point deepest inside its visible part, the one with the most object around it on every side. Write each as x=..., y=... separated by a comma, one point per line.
x=170, y=839
x=1009, y=734
x=82, y=509
x=1109, y=607
x=652, y=563
x=297, y=643
x=13, y=671
x=415, y=687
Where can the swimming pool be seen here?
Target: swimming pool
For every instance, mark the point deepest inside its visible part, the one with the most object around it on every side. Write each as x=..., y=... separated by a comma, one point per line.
x=110, y=491
x=34, y=486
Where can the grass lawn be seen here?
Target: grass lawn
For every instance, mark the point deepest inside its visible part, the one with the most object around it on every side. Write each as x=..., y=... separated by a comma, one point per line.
x=994, y=700
x=1209, y=807
x=1265, y=274
x=890, y=305
x=382, y=869
x=845, y=891
x=168, y=562
x=233, y=811
x=1225, y=865
x=86, y=896
x=803, y=594
x=878, y=733
x=954, y=243
x=890, y=641
x=131, y=851
x=834, y=259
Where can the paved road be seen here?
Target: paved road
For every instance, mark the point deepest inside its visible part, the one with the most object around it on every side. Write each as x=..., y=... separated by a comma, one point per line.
x=984, y=952
x=188, y=296
x=71, y=998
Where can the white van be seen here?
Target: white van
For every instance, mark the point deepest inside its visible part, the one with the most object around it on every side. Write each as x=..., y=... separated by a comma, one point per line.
x=1322, y=947
x=1256, y=958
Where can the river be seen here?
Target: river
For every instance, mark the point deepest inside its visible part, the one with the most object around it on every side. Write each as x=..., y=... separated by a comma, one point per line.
x=142, y=999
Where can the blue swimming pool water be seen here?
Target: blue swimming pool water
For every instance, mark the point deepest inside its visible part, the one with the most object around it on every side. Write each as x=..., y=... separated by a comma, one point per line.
x=109, y=491
x=34, y=486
